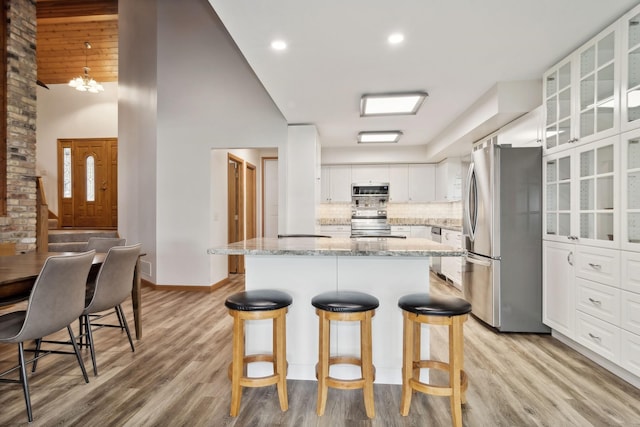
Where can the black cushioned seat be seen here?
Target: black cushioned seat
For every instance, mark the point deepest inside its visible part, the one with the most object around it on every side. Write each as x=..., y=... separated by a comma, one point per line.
x=345, y=302
x=258, y=300
x=430, y=305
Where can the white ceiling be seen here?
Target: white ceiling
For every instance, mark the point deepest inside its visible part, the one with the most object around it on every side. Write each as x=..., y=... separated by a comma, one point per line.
x=456, y=50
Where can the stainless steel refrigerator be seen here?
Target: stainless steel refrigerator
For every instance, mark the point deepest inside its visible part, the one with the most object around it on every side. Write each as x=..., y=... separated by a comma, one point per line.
x=502, y=232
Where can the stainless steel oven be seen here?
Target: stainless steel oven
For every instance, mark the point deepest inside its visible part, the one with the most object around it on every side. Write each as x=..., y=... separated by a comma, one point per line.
x=369, y=210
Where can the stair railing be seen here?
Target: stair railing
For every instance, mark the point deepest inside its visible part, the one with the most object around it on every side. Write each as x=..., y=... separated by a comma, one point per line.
x=42, y=218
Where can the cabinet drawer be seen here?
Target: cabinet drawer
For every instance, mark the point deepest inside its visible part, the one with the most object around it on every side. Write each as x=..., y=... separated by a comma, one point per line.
x=598, y=264
x=599, y=336
x=630, y=352
x=630, y=262
x=630, y=312
x=598, y=300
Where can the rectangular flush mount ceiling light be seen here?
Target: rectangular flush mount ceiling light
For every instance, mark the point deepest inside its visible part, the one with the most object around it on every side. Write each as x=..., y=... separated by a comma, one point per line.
x=381, y=136
x=391, y=103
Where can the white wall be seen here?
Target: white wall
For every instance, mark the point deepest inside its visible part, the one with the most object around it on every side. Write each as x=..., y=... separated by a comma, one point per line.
x=63, y=112
x=208, y=97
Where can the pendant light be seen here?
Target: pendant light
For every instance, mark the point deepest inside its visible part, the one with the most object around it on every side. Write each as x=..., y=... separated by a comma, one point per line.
x=84, y=82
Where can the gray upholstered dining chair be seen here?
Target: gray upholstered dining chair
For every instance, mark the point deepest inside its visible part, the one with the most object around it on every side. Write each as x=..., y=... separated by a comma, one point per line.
x=56, y=300
x=112, y=286
x=103, y=244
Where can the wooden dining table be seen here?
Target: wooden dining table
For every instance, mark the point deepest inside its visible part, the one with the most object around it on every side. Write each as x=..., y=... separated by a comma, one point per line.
x=18, y=273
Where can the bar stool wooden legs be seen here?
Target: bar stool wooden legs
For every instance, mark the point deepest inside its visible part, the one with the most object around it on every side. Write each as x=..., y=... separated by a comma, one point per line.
x=258, y=305
x=345, y=306
x=452, y=312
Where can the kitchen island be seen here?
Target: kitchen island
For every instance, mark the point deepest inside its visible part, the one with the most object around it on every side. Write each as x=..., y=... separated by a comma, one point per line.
x=387, y=268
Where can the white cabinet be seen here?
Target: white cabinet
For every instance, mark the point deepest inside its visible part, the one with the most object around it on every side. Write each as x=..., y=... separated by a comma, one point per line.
x=368, y=174
x=413, y=183
x=630, y=70
x=422, y=183
x=449, y=179
x=558, y=293
x=336, y=230
x=401, y=230
x=399, y=183
x=630, y=190
x=582, y=195
x=423, y=231
x=335, y=183
x=581, y=93
x=452, y=266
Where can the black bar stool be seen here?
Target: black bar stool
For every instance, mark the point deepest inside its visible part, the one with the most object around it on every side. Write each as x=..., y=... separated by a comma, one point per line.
x=432, y=310
x=258, y=305
x=345, y=306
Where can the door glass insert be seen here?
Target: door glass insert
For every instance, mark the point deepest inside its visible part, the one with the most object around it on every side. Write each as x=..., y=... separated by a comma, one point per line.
x=587, y=61
x=634, y=31
x=606, y=49
x=586, y=163
x=66, y=172
x=90, y=176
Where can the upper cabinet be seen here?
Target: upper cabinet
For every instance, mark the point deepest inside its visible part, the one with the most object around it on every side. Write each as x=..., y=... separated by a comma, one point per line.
x=422, y=183
x=582, y=94
x=449, y=179
x=335, y=183
x=630, y=190
x=370, y=174
x=630, y=82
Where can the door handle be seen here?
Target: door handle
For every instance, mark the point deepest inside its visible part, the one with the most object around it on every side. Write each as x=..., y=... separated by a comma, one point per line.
x=478, y=261
x=595, y=266
x=570, y=258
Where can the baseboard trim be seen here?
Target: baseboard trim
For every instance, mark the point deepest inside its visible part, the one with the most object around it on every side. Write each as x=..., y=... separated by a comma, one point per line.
x=187, y=288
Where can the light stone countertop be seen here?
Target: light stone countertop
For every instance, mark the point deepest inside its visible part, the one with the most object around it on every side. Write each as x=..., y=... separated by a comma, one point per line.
x=363, y=246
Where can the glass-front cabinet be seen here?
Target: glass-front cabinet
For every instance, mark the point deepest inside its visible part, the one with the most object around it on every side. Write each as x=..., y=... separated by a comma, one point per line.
x=598, y=88
x=597, y=192
x=581, y=197
x=630, y=84
x=630, y=190
x=557, y=178
x=558, y=99
x=582, y=94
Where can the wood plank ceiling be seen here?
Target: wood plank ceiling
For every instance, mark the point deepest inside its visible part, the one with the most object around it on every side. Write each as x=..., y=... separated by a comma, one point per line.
x=63, y=27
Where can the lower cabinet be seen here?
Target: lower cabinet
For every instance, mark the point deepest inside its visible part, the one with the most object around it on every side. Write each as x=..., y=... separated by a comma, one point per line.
x=336, y=230
x=558, y=309
x=589, y=296
x=452, y=266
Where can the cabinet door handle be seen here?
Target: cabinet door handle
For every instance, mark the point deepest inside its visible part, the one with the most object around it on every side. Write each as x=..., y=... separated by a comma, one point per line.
x=570, y=258
x=595, y=266
x=594, y=337
x=595, y=301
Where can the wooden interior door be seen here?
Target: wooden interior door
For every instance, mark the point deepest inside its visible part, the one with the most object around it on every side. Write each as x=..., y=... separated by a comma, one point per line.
x=250, y=220
x=235, y=207
x=88, y=183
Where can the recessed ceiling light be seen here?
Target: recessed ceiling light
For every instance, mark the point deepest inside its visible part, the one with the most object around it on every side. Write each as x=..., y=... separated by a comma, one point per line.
x=278, y=45
x=395, y=38
x=379, y=136
x=391, y=103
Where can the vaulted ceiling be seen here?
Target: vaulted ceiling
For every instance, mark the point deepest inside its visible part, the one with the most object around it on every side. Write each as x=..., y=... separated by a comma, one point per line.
x=63, y=27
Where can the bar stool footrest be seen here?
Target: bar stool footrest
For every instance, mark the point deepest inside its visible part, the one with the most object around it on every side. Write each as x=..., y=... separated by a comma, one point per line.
x=434, y=389
x=246, y=381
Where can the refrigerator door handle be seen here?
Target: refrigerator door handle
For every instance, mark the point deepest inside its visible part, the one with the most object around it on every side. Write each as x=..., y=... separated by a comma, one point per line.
x=467, y=213
x=478, y=261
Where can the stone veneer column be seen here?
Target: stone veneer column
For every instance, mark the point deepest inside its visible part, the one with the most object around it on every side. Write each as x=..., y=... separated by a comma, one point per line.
x=19, y=225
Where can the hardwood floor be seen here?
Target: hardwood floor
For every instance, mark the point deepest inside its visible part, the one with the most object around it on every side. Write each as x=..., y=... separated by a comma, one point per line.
x=178, y=377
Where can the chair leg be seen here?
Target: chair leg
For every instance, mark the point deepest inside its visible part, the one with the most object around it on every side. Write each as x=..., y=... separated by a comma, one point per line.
x=455, y=364
x=280, y=355
x=124, y=325
x=36, y=354
x=237, y=365
x=89, y=334
x=367, y=364
x=407, y=364
x=323, y=364
x=77, y=351
x=119, y=314
x=23, y=377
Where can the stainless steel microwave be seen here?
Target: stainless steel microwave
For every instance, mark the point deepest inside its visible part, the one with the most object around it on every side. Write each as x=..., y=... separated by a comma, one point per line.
x=376, y=190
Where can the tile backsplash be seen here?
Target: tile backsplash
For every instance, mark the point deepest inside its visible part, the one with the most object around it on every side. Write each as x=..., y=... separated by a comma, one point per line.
x=398, y=213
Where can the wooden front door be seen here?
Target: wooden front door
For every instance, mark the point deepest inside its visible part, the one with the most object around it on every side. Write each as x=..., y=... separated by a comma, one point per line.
x=88, y=182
